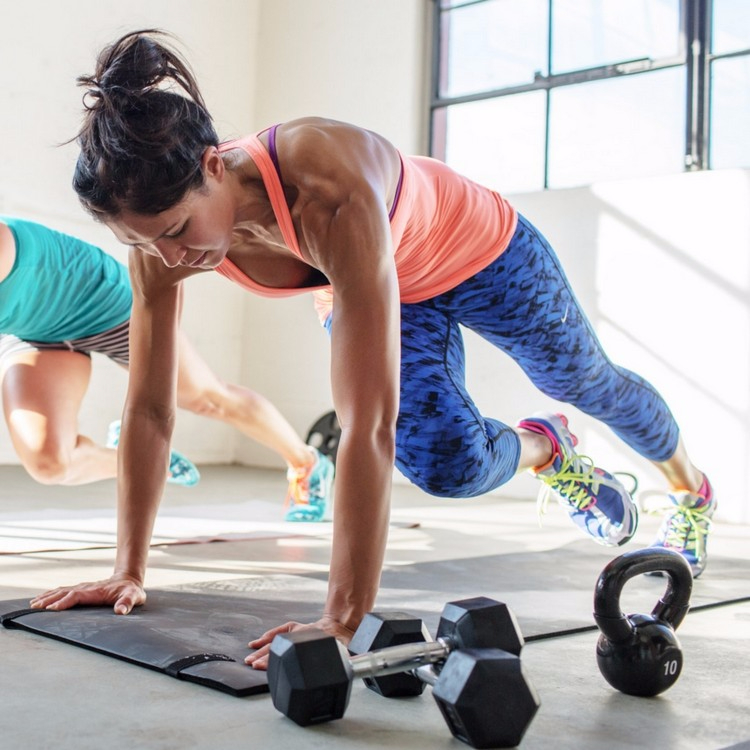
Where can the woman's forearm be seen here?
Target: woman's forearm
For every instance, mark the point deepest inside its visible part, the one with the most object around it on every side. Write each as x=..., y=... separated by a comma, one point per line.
x=143, y=464
x=364, y=473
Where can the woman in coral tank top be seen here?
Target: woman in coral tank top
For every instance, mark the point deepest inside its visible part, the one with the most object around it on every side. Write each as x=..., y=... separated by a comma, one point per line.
x=399, y=251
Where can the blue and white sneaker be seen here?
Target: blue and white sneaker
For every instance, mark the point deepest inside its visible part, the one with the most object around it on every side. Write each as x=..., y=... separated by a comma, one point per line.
x=181, y=469
x=596, y=502
x=113, y=434
x=687, y=523
x=310, y=494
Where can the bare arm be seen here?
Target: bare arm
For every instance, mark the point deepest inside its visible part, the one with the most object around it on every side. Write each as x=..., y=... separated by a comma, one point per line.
x=143, y=453
x=346, y=233
x=7, y=251
x=149, y=411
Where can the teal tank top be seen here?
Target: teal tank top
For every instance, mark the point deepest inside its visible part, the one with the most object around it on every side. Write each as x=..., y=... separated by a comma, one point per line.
x=60, y=288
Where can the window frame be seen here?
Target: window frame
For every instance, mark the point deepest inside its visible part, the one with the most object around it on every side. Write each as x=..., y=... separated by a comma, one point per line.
x=694, y=54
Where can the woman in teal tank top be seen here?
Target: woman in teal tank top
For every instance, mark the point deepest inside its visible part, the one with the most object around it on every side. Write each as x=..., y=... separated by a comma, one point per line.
x=61, y=299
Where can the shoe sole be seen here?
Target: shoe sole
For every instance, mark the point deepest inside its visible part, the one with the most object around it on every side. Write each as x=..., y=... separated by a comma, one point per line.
x=634, y=518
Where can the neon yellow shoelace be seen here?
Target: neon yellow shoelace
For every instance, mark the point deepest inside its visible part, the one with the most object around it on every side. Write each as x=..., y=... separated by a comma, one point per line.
x=576, y=483
x=686, y=525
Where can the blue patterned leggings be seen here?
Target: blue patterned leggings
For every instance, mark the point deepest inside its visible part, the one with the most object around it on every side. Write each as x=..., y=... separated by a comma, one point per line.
x=523, y=304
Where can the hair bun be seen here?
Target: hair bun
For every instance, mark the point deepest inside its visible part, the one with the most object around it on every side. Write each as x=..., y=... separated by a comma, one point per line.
x=137, y=64
x=145, y=129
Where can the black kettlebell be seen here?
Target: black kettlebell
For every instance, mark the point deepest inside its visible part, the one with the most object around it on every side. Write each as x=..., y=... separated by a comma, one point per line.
x=640, y=654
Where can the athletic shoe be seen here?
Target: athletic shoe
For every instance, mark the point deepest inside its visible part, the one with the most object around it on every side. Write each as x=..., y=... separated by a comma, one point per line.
x=181, y=469
x=596, y=502
x=113, y=434
x=309, y=497
x=686, y=525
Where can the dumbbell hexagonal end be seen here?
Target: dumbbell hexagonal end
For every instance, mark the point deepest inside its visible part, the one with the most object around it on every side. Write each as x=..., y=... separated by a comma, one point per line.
x=485, y=697
x=309, y=676
x=481, y=623
x=381, y=630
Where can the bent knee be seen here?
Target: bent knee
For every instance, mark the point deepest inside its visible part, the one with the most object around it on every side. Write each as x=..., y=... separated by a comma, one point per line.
x=225, y=402
x=460, y=476
x=204, y=404
x=439, y=483
x=48, y=467
x=461, y=466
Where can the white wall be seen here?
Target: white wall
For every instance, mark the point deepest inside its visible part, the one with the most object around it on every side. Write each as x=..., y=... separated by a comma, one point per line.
x=44, y=46
x=662, y=267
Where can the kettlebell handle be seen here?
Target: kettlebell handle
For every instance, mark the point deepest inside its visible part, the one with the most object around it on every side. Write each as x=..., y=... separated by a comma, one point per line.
x=671, y=608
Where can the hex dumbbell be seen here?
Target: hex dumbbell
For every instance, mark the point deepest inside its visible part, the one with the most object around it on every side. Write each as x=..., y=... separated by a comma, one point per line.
x=481, y=689
x=484, y=695
x=470, y=623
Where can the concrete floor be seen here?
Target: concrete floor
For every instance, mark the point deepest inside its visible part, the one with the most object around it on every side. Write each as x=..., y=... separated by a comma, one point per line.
x=54, y=695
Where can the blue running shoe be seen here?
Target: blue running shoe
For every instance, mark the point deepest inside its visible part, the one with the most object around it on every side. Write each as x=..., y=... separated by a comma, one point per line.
x=596, y=502
x=310, y=492
x=181, y=469
x=686, y=525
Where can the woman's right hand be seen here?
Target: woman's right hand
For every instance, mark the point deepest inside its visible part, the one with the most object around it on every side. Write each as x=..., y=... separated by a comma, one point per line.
x=121, y=591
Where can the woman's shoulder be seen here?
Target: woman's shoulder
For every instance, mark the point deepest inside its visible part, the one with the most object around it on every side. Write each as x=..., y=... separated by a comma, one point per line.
x=316, y=147
x=306, y=131
x=7, y=249
x=26, y=228
x=41, y=243
x=6, y=235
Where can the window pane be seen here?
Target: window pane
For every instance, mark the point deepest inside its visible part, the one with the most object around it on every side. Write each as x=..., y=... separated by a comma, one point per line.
x=499, y=142
x=731, y=26
x=621, y=127
x=730, y=112
x=590, y=33
x=491, y=45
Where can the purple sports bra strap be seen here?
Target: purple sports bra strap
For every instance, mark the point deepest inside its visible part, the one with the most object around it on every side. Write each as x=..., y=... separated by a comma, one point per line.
x=275, y=191
x=272, y=149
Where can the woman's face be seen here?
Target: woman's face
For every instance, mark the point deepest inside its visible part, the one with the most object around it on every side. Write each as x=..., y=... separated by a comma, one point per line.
x=196, y=232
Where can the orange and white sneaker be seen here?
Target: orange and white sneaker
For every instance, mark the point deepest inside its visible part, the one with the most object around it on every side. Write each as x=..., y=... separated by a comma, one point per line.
x=310, y=493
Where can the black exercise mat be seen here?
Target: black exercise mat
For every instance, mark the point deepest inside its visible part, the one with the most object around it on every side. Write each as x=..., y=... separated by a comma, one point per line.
x=553, y=590
x=195, y=637
x=194, y=633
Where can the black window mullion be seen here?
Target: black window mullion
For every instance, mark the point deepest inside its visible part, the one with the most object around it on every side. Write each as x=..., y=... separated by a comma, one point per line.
x=464, y=4
x=547, y=97
x=697, y=33
x=437, y=136
x=588, y=75
x=727, y=55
